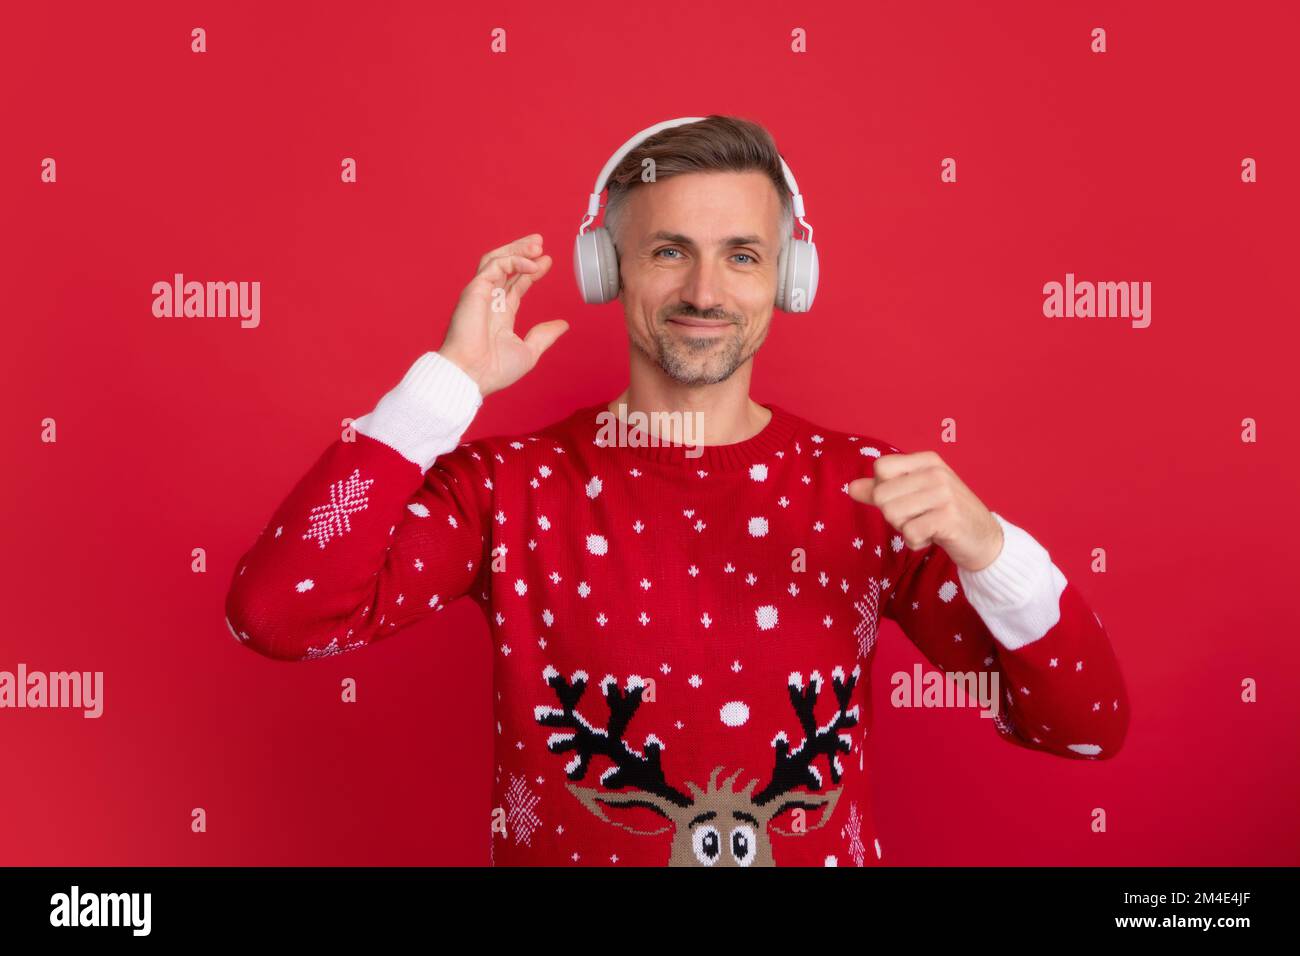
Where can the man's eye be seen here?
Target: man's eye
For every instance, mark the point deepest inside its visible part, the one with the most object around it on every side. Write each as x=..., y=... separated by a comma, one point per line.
x=746, y=255
x=666, y=250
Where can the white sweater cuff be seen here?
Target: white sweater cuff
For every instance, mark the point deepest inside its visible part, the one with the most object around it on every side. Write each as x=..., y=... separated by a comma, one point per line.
x=426, y=413
x=1018, y=595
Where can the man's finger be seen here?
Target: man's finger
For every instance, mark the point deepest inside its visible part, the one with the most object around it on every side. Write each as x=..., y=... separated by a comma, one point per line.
x=520, y=283
x=521, y=246
x=501, y=268
x=890, y=466
x=860, y=489
x=543, y=335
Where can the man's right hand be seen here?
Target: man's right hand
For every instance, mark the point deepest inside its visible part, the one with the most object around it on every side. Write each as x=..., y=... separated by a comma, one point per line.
x=481, y=338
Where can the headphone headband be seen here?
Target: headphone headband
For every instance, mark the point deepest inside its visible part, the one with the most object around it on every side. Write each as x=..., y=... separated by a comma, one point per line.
x=593, y=201
x=595, y=260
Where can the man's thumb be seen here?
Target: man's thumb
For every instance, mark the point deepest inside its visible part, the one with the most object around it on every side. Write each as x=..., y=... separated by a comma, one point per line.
x=543, y=335
x=860, y=489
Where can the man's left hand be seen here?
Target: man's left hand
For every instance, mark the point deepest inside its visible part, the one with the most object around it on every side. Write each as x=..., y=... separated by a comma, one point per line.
x=925, y=502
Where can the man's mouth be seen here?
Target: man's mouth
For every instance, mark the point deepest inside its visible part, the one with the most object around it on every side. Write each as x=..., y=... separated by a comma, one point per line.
x=695, y=323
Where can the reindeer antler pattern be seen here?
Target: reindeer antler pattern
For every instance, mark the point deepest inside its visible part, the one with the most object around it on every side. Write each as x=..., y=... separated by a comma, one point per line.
x=631, y=768
x=795, y=767
x=717, y=825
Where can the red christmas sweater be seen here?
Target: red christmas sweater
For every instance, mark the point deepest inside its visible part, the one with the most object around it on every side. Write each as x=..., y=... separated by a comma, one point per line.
x=683, y=644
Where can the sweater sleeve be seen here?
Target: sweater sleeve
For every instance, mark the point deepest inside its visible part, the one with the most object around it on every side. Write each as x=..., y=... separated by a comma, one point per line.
x=381, y=532
x=1059, y=682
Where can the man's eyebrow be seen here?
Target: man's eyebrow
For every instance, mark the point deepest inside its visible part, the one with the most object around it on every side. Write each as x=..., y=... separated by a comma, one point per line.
x=677, y=237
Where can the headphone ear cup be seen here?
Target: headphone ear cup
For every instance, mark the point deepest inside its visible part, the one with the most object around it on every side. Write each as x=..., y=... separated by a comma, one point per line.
x=781, y=277
x=796, y=284
x=595, y=266
x=609, y=280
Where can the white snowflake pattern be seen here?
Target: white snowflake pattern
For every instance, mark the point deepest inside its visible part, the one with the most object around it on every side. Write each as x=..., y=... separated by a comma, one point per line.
x=521, y=810
x=869, y=619
x=331, y=649
x=852, y=831
x=347, y=497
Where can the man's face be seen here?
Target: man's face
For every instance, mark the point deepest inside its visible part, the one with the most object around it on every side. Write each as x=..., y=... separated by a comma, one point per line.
x=697, y=266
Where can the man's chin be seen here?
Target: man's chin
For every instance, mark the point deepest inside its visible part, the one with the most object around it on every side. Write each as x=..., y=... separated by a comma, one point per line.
x=692, y=373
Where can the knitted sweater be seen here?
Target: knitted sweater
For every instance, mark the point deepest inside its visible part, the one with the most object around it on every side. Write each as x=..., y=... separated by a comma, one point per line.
x=682, y=645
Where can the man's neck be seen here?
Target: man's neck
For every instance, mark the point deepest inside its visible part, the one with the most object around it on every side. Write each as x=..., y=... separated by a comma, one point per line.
x=725, y=412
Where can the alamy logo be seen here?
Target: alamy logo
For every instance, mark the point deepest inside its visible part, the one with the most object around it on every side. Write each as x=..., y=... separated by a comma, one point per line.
x=946, y=689
x=208, y=300
x=1100, y=300
x=102, y=909
x=83, y=689
x=633, y=429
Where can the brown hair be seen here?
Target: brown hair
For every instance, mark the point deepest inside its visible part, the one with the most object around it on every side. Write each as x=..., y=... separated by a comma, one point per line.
x=714, y=144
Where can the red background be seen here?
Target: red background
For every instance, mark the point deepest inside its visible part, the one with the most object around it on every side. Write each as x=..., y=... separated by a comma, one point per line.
x=177, y=434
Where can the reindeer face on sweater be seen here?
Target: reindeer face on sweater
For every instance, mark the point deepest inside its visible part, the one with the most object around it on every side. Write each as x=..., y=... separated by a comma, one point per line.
x=717, y=825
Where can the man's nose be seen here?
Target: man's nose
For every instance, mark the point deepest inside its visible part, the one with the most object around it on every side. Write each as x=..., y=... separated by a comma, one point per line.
x=703, y=288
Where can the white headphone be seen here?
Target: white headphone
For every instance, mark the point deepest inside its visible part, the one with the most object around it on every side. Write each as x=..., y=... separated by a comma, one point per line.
x=595, y=261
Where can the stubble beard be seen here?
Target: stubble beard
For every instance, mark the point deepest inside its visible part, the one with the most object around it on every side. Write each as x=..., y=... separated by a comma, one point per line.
x=702, y=361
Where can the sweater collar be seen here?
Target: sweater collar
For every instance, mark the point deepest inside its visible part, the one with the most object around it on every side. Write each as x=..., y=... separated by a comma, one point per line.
x=776, y=435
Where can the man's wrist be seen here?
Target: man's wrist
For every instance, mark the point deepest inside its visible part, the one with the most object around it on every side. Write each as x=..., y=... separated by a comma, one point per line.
x=427, y=412
x=465, y=367
x=1018, y=594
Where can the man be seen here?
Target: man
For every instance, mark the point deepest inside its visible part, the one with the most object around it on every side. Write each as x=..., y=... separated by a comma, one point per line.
x=683, y=632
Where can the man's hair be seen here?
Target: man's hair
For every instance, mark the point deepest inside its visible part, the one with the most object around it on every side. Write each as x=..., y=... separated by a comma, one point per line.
x=714, y=144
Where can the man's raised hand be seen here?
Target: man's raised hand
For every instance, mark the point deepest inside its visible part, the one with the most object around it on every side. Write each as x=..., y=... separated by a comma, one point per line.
x=481, y=338
x=924, y=501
